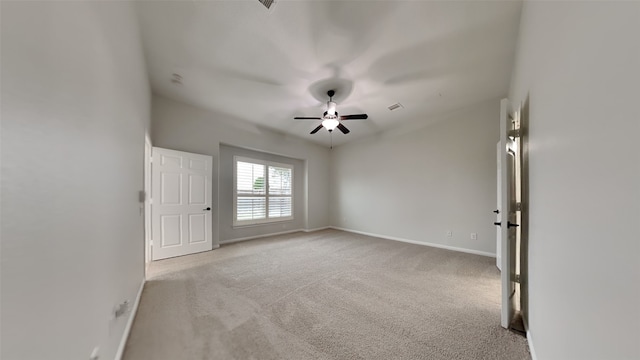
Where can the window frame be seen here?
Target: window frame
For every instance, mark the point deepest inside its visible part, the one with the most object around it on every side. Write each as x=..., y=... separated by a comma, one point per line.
x=266, y=196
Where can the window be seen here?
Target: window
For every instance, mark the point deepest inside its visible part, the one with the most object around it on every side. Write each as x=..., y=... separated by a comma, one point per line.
x=263, y=191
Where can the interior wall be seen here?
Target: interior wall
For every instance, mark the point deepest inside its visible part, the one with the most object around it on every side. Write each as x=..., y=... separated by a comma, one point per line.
x=183, y=127
x=418, y=182
x=227, y=230
x=577, y=64
x=75, y=109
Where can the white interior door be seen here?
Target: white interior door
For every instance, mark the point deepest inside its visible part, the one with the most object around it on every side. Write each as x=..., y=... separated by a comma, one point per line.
x=508, y=219
x=181, y=203
x=499, y=208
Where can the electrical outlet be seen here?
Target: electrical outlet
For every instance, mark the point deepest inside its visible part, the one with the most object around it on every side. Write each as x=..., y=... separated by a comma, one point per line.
x=474, y=236
x=449, y=234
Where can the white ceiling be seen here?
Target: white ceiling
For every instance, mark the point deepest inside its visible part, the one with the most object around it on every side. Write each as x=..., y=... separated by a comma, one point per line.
x=267, y=66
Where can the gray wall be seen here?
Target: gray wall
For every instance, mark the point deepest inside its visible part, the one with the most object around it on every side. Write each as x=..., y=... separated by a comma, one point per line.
x=183, y=127
x=577, y=63
x=418, y=181
x=227, y=231
x=75, y=110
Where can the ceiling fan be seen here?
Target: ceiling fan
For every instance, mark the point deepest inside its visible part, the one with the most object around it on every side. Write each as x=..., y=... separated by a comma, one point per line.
x=331, y=119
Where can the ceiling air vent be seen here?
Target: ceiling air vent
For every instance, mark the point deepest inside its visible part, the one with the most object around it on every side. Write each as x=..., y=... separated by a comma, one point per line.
x=267, y=3
x=395, y=106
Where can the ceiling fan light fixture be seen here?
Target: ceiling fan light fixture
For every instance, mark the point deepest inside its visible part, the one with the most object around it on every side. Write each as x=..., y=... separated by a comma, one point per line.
x=330, y=124
x=330, y=119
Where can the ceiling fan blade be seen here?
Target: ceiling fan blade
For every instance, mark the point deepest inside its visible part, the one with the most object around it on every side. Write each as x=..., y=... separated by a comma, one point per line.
x=343, y=129
x=316, y=129
x=306, y=118
x=354, y=117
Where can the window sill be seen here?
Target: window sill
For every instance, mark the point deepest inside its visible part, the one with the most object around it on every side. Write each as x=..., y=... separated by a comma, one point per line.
x=272, y=222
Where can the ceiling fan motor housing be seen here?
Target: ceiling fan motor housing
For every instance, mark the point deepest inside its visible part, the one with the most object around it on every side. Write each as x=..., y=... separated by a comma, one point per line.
x=327, y=115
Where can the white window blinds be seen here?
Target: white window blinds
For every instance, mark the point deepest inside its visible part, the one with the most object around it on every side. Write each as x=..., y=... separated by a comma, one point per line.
x=263, y=191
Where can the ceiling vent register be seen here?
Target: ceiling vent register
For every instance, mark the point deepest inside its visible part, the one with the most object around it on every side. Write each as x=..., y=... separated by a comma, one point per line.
x=395, y=106
x=267, y=3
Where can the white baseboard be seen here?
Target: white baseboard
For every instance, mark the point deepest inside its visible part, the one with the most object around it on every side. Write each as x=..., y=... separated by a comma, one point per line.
x=453, y=248
x=317, y=229
x=231, y=241
x=469, y=251
x=127, y=328
x=530, y=341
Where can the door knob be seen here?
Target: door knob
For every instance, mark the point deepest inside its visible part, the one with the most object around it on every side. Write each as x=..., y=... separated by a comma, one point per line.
x=207, y=209
x=496, y=211
x=497, y=223
x=510, y=224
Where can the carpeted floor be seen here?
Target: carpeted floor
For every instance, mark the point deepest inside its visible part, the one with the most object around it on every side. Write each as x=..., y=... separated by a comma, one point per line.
x=323, y=295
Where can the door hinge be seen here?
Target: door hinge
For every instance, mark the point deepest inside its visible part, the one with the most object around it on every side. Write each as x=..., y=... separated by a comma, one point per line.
x=518, y=206
x=516, y=278
x=514, y=133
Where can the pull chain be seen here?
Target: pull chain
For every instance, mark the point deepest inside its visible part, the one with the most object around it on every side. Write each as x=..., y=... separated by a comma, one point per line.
x=331, y=138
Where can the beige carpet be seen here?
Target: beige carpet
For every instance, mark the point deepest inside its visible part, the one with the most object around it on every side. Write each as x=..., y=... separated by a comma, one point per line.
x=323, y=295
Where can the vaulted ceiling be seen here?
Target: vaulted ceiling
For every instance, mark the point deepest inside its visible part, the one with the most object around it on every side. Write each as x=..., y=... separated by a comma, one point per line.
x=266, y=66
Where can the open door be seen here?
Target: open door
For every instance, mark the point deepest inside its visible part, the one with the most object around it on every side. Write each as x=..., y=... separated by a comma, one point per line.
x=181, y=203
x=498, y=207
x=508, y=214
